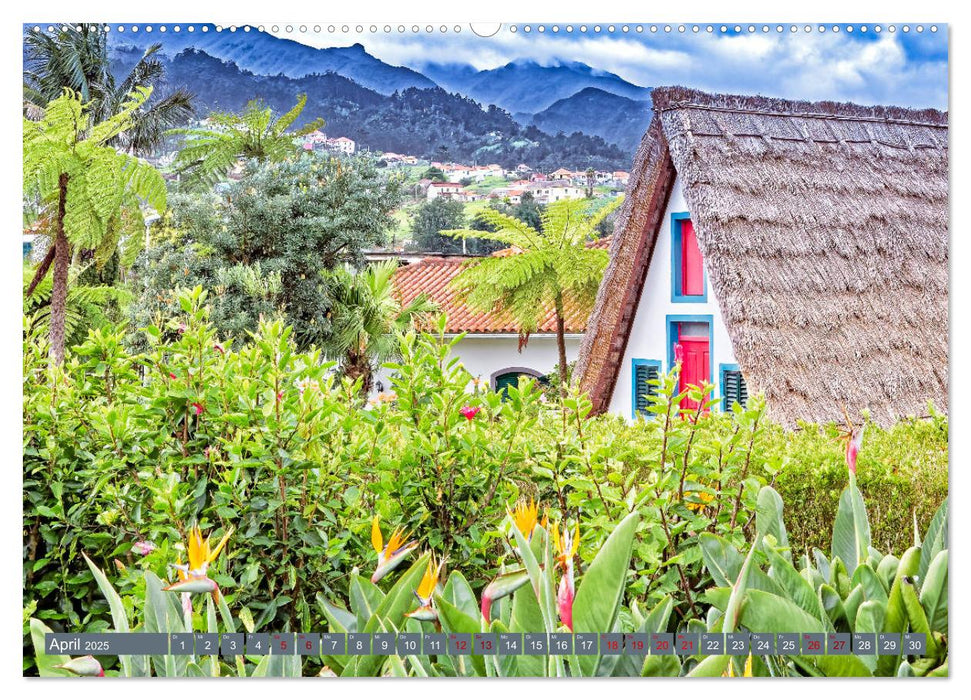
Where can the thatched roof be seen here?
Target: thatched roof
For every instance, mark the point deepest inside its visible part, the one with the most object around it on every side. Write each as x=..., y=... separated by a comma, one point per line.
x=824, y=229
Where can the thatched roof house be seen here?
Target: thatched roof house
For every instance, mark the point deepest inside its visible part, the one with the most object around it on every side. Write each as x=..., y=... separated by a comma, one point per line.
x=823, y=228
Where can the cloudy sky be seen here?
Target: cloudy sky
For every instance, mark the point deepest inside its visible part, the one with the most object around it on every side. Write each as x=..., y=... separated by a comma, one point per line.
x=905, y=68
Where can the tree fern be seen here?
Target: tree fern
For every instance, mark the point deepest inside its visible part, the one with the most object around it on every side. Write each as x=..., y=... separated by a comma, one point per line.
x=208, y=154
x=549, y=269
x=83, y=191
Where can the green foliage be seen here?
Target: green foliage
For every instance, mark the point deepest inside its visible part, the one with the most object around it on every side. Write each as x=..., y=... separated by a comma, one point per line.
x=453, y=608
x=105, y=188
x=824, y=594
x=122, y=447
x=367, y=319
x=89, y=307
x=554, y=268
x=260, y=246
x=901, y=474
x=76, y=57
x=210, y=152
x=160, y=611
x=433, y=217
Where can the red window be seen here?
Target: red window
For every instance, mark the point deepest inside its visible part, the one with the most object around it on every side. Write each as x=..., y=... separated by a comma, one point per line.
x=692, y=272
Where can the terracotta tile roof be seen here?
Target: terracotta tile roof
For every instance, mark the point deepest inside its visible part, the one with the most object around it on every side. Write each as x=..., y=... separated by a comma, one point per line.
x=432, y=276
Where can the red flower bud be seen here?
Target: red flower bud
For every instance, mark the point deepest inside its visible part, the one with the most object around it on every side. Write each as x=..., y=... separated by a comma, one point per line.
x=469, y=411
x=198, y=407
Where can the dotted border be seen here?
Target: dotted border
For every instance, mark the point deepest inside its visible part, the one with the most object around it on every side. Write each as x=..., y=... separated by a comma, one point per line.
x=512, y=28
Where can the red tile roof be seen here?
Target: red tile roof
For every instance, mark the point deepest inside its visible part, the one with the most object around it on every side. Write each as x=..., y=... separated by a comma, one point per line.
x=433, y=277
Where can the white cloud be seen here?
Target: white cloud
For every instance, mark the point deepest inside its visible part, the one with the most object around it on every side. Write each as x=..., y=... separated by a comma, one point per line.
x=831, y=65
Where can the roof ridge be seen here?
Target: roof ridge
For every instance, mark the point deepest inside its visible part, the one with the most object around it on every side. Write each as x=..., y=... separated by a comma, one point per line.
x=678, y=97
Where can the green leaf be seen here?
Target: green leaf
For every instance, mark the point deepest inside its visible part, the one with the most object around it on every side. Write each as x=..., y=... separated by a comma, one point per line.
x=851, y=529
x=768, y=517
x=458, y=592
x=454, y=620
x=935, y=540
x=933, y=593
x=711, y=667
x=896, y=619
x=721, y=559
x=796, y=587
x=46, y=662
x=601, y=590
x=119, y=618
x=365, y=598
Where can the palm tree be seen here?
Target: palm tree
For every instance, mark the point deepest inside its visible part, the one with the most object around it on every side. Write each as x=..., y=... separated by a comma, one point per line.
x=366, y=318
x=76, y=57
x=86, y=193
x=211, y=152
x=553, y=267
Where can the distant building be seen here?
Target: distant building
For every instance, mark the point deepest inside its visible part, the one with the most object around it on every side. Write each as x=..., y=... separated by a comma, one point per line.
x=342, y=144
x=443, y=189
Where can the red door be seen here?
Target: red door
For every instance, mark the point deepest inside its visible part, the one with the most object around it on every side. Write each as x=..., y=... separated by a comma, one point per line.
x=695, y=368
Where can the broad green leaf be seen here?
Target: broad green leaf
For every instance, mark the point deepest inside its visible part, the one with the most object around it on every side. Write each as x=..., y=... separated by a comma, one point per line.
x=601, y=590
x=711, y=667
x=873, y=587
x=130, y=665
x=896, y=619
x=796, y=587
x=722, y=560
x=935, y=540
x=454, y=620
x=459, y=593
x=46, y=662
x=851, y=529
x=656, y=666
x=398, y=601
x=365, y=597
x=768, y=518
x=933, y=593
x=869, y=619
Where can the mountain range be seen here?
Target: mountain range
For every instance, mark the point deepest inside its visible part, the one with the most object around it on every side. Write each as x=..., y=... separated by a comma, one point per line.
x=360, y=96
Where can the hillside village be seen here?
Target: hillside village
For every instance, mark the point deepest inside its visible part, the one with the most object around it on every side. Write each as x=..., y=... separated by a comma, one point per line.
x=464, y=183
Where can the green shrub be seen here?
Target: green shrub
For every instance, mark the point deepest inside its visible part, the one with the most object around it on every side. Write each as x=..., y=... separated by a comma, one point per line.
x=122, y=448
x=902, y=473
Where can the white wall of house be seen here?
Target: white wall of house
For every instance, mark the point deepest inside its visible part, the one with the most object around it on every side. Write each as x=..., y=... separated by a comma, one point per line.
x=648, y=337
x=485, y=355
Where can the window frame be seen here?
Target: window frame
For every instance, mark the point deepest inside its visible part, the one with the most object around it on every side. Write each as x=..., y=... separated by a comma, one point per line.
x=677, y=282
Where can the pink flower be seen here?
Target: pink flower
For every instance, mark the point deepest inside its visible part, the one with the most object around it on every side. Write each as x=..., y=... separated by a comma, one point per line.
x=469, y=411
x=564, y=598
x=143, y=547
x=853, y=448
x=198, y=407
x=181, y=328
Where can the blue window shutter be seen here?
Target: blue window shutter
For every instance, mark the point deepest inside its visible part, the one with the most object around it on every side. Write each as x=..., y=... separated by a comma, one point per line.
x=734, y=388
x=646, y=372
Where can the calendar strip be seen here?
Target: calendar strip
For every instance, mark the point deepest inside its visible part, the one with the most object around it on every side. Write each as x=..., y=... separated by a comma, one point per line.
x=488, y=644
